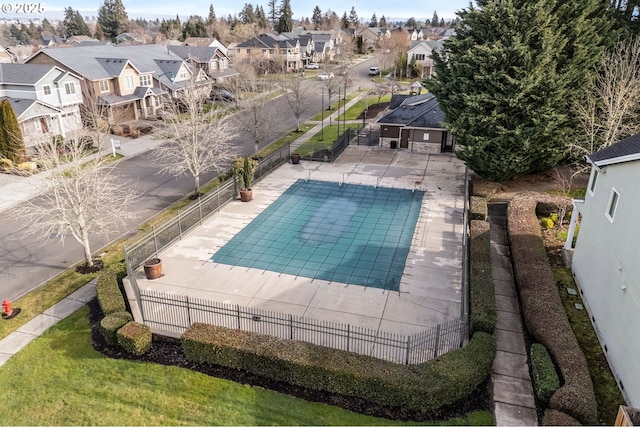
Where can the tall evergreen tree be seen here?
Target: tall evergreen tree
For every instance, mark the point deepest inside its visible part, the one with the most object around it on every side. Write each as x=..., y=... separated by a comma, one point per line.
x=435, y=20
x=274, y=14
x=374, y=21
x=98, y=34
x=11, y=141
x=316, y=18
x=285, y=22
x=353, y=17
x=211, y=19
x=113, y=19
x=344, y=21
x=73, y=24
x=247, y=14
x=261, y=17
x=411, y=23
x=194, y=27
x=46, y=26
x=506, y=81
x=383, y=22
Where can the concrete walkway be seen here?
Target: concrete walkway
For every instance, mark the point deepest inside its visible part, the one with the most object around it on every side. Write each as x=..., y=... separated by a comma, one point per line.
x=514, y=403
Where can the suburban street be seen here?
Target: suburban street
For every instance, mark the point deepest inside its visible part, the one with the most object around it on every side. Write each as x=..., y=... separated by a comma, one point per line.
x=26, y=264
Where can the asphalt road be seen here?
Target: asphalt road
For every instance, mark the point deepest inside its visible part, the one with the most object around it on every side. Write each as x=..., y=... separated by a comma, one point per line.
x=26, y=264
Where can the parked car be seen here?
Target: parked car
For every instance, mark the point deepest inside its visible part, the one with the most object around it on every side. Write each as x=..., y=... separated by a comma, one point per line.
x=223, y=95
x=325, y=76
x=312, y=66
x=374, y=71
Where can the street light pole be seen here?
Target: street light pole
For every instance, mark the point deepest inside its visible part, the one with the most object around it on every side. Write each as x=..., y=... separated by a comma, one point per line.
x=322, y=113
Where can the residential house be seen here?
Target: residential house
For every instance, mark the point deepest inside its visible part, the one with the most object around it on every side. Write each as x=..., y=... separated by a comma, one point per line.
x=421, y=50
x=127, y=80
x=45, y=99
x=6, y=57
x=211, y=60
x=372, y=36
x=605, y=259
x=79, y=40
x=270, y=53
x=49, y=40
x=206, y=42
x=415, y=123
x=129, y=38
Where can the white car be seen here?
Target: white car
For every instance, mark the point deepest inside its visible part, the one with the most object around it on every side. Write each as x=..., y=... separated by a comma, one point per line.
x=325, y=76
x=312, y=66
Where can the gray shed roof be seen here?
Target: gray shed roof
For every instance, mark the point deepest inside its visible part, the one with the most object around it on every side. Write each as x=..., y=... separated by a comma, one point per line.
x=420, y=111
x=624, y=151
x=24, y=74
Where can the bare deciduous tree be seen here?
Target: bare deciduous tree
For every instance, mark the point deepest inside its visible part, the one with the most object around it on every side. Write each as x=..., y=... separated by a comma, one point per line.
x=332, y=85
x=199, y=139
x=83, y=197
x=257, y=120
x=299, y=97
x=612, y=111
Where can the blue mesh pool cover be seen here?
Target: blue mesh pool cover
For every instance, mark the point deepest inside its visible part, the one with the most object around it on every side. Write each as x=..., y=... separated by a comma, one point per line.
x=346, y=233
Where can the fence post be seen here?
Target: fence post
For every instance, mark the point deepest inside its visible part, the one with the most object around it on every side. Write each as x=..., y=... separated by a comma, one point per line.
x=188, y=312
x=155, y=241
x=406, y=359
x=200, y=208
x=348, y=335
x=179, y=224
x=290, y=326
x=435, y=348
x=238, y=314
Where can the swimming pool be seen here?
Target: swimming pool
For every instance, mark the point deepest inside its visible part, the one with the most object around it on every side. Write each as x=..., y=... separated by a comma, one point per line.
x=347, y=233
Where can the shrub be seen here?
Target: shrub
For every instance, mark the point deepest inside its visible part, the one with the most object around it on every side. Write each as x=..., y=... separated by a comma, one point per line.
x=133, y=132
x=545, y=378
x=546, y=222
x=109, y=294
x=135, y=338
x=483, y=188
x=482, y=297
x=425, y=387
x=117, y=130
x=27, y=167
x=110, y=324
x=557, y=418
x=6, y=164
x=478, y=208
x=542, y=308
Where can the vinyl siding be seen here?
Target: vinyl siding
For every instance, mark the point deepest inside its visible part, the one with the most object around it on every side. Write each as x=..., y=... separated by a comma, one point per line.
x=605, y=260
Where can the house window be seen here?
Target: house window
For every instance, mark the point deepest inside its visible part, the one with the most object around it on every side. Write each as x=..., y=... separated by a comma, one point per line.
x=145, y=80
x=592, y=184
x=70, y=88
x=46, y=89
x=248, y=51
x=419, y=56
x=104, y=85
x=43, y=125
x=264, y=51
x=128, y=82
x=613, y=204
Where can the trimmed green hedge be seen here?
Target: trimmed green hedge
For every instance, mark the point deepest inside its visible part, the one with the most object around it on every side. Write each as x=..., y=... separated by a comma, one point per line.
x=135, y=338
x=110, y=324
x=478, y=209
x=109, y=294
x=544, y=314
x=482, y=296
x=545, y=378
x=425, y=387
x=557, y=418
x=483, y=188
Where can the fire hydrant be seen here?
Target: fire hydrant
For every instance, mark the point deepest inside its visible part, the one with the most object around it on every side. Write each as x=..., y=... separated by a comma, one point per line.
x=8, y=311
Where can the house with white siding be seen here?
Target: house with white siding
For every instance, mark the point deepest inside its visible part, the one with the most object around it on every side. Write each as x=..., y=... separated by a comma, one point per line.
x=606, y=258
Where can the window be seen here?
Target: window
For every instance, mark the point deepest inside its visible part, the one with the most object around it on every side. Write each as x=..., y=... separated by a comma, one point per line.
x=128, y=82
x=419, y=56
x=145, y=80
x=425, y=136
x=613, y=204
x=104, y=85
x=70, y=88
x=594, y=178
x=46, y=89
x=264, y=51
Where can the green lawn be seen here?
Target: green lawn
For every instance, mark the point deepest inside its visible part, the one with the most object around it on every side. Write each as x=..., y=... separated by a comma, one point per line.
x=59, y=379
x=324, y=139
x=334, y=106
x=356, y=109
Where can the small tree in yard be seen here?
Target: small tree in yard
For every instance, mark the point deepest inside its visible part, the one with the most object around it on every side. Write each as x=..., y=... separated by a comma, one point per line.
x=83, y=197
x=257, y=119
x=11, y=142
x=299, y=98
x=199, y=140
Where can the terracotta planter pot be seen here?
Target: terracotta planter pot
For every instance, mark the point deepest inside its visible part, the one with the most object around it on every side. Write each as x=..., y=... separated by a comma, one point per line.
x=152, y=268
x=246, y=195
x=295, y=159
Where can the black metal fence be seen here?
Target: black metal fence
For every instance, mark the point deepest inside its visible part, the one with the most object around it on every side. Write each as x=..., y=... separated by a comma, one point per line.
x=175, y=313
x=321, y=154
x=160, y=237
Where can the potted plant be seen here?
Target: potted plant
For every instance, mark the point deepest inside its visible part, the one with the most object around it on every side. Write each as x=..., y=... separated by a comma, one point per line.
x=295, y=158
x=244, y=168
x=152, y=268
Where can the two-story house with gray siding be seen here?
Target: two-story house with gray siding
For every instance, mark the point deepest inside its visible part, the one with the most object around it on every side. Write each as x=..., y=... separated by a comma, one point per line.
x=45, y=99
x=606, y=258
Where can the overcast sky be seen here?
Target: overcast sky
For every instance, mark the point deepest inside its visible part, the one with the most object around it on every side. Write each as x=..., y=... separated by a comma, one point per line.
x=301, y=8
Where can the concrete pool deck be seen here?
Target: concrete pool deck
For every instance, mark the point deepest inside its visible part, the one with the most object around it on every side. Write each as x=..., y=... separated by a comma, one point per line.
x=430, y=288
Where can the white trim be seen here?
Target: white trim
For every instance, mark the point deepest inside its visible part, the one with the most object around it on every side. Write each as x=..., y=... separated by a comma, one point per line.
x=593, y=181
x=620, y=159
x=610, y=204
